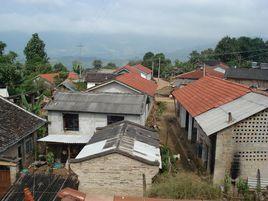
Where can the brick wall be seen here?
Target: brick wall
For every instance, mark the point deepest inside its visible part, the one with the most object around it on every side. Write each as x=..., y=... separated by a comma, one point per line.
x=247, y=142
x=113, y=174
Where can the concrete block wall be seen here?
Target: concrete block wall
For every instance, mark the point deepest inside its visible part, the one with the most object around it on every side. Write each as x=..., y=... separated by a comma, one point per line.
x=114, y=174
x=247, y=141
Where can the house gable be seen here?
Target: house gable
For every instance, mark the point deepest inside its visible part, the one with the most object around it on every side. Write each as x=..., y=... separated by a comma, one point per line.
x=113, y=87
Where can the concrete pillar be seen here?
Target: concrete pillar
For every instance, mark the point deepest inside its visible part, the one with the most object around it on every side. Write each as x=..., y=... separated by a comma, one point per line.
x=13, y=173
x=190, y=126
x=182, y=116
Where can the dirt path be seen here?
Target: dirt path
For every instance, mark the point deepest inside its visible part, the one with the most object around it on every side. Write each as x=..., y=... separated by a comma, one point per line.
x=171, y=135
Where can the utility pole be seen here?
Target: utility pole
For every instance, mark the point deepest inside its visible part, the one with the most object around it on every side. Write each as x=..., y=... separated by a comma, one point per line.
x=80, y=46
x=159, y=68
x=153, y=67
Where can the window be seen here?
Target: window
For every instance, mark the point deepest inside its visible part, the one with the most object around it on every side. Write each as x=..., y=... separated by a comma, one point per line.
x=71, y=122
x=29, y=146
x=112, y=119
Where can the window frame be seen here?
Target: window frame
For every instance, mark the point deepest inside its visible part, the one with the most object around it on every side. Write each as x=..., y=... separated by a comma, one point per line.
x=121, y=117
x=73, y=127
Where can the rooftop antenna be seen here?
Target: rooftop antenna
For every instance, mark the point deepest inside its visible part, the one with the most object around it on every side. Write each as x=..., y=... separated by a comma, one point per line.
x=80, y=46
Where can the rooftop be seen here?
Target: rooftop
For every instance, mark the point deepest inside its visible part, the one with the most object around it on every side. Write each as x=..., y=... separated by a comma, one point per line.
x=16, y=123
x=143, y=68
x=128, y=68
x=208, y=93
x=111, y=103
x=98, y=77
x=50, y=77
x=69, y=85
x=241, y=108
x=42, y=186
x=66, y=139
x=198, y=73
x=247, y=73
x=125, y=137
x=137, y=82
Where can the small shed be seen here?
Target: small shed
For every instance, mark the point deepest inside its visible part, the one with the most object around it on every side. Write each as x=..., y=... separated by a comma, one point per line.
x=121, y=158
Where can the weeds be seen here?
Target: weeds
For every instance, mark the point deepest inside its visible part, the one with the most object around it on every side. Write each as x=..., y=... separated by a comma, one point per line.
x=183, y=186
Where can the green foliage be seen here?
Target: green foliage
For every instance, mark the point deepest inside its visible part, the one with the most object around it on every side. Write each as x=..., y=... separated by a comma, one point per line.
x=36, y=57
x=111, y=65
x=50, y=158
x=97, y=64
x=81, y=86
x=2, y=47
x=242, y=186
x=62, y=76
x=148, y=59
x=183, y=186
x=77, y=67
x=161, y=107
x=168, y=161
x=227, y=183
x=59, y=67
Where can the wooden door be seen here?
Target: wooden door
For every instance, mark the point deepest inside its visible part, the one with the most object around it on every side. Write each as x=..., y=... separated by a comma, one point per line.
x=4, y=181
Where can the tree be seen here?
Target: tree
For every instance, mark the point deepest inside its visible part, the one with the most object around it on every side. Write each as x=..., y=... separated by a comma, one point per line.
x=97, y=64
x=59, y=67
x=110, y=65
x=148, y=58
x=35, y=54
x=207, y=54
x=2, y=48
x=194, y=57
x=77, y=67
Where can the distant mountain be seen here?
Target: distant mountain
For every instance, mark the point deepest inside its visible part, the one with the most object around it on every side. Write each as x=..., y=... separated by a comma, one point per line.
x=86, y=61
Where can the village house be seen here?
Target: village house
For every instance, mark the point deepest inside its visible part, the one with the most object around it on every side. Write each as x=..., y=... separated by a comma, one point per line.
x=67, y=86
x=253, y=77
x=129, y=83
x=49, y=79
x=227, y=123
x=95, y=78
x=17, y=140
x=3, y=90
x=139, y=69
x=132, y=157
x=185, y=78
x=74, y=117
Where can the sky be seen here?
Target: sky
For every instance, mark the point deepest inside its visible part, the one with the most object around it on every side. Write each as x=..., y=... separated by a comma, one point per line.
x=128, y=28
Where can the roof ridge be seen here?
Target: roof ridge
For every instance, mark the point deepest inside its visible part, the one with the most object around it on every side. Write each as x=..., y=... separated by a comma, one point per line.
x=22, y=109
x=228, y=81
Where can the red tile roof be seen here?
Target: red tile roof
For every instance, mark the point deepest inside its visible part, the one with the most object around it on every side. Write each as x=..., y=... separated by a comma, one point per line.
x=198, y=73
x=129, y=68
x=207, y=93
x=73, y=76
x=135, y=69
x=50, y=77
x=137, y=82
x=143, y=68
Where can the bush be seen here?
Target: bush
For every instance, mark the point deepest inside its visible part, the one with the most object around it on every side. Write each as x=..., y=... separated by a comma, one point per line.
x=183, y=186
x=161, y=107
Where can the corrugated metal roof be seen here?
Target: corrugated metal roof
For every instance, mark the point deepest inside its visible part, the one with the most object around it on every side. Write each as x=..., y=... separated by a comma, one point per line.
x=66, y=139
x=112, y=103
x=125, y=137
x=247, y=73
x=216, y=119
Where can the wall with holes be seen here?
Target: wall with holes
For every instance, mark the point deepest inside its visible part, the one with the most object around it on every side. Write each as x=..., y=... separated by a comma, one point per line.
x=243, y=148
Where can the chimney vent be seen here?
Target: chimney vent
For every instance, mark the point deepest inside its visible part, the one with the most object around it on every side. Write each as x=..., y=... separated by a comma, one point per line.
x=230, y=118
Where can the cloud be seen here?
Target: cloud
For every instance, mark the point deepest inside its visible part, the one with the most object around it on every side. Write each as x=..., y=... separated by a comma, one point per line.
x=163, y=23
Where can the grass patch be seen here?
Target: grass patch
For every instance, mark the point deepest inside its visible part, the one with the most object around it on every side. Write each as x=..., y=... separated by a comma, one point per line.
x=183, y=186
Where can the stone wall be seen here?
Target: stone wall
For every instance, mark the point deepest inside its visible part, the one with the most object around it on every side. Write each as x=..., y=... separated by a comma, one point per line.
x=247, y=142
x=113, y=174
